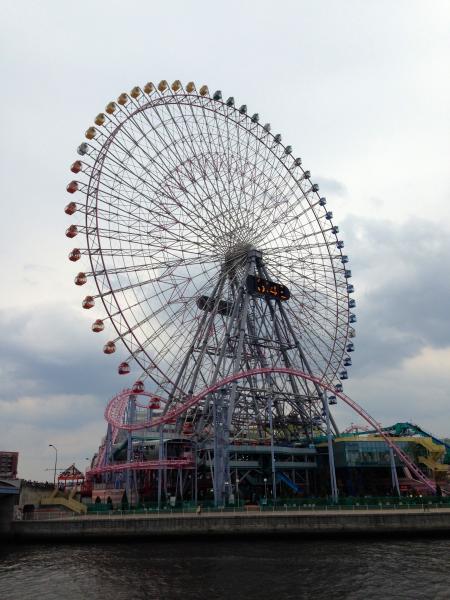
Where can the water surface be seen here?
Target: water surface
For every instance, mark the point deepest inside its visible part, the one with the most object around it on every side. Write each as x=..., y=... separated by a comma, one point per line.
x=231, y=569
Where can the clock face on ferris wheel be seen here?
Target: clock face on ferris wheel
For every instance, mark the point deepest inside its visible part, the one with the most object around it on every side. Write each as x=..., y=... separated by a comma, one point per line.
x=173, y=188
x=263, y=287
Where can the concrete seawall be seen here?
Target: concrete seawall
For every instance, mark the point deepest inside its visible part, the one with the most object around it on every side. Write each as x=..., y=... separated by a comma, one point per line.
x=314, y=523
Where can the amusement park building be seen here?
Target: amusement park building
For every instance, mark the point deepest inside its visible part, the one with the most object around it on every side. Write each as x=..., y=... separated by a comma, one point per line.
x=362, y=460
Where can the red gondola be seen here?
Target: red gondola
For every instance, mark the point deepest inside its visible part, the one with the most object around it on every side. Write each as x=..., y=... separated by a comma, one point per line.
x=88, y=302
x=76, y=166
x=75, y=255
x=138, y=387
x=109, y=348
x=70, y=208
x=80, y=279
x=123, y=369
x=72, y=187
x=97, y=325
x=72, y=231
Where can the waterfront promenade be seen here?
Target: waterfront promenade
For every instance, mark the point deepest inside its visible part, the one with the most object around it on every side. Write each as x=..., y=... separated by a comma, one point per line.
x=314, y=522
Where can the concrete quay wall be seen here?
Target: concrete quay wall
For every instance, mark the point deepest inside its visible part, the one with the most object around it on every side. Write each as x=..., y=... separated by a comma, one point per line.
x=364, y=523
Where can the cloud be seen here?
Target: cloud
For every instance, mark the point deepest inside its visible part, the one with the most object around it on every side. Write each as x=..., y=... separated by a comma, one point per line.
x=51, y=349
x=56, y=382
x=331, y=186
x=56, y=410
x=402, y=291
x=414, y=391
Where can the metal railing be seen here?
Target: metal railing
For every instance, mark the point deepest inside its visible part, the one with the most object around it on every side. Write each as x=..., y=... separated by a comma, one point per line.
x=40, y=515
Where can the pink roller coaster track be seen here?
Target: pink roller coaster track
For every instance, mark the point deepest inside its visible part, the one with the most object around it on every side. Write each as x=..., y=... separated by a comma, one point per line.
x=145, y=465
x=115, y=430
x=114, y=412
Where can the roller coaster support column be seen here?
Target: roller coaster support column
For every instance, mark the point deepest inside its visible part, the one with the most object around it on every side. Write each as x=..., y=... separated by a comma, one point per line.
x=395, y=484
x=334, y=488
x=160, y=458
x=221, y=446
x=272, y=453
x=129, y=475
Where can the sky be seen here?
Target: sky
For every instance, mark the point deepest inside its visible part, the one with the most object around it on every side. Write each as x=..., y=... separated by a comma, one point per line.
x=359, y=89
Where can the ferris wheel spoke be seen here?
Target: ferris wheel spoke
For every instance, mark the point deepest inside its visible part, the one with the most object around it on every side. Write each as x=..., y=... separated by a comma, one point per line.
x=185, y=139
x=241, y=215
x=205, y=132
x=314, y=324
x=164, y=171
x=173, y=145
x=223, y=206
x=316, y=287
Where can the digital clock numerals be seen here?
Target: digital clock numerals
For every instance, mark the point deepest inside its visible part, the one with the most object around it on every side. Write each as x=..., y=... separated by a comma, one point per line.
x=264, y=287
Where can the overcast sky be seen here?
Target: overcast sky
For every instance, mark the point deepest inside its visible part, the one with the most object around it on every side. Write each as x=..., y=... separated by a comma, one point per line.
x=360, y=89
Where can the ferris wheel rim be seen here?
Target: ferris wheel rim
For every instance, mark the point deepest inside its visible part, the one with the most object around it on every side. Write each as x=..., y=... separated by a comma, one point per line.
x=280, y=158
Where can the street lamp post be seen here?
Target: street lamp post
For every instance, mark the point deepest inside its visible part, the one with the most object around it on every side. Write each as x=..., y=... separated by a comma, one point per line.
x=56, y=462
x=265, y=490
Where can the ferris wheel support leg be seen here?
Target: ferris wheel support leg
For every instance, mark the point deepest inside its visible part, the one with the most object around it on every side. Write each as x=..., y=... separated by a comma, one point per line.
x=238, y=357
x=284, y=354
x=232, y=324
x=232, y=327
x=216, y=293
x=225, y=410
x=305, y=362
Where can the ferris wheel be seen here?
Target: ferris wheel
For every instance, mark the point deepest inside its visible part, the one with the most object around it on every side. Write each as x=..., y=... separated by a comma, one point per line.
x=212, y=253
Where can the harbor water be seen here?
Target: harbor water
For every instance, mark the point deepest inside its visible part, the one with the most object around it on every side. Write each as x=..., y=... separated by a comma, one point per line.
x=351, y=569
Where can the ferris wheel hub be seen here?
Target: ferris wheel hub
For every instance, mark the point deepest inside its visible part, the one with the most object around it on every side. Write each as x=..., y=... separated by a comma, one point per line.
x=238, y=255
